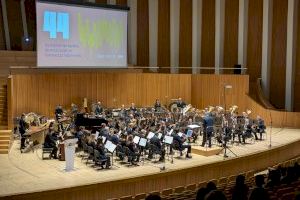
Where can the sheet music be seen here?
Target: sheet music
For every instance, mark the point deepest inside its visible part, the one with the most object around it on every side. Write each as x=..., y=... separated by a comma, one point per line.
x=143, y=142
x=150, y=135
x=136, y=139
x=180, y=134
x=159, y=135
x=192, y=126
x=110, y=146
x=168, y=139
x=97, y=134
x=170, y=132
x=103, y=139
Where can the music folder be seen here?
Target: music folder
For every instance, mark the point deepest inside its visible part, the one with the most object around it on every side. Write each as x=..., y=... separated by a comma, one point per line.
x=180, y=134
x=168, y=139
x=110, y=146
x=150, y=135
x=136, y=139
x=159, y=135
x=143, y=142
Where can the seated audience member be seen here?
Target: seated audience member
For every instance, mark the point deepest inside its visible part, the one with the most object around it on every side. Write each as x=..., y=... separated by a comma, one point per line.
x=201, y=193
x=274, y=176
x=153, y=197
x=259, y=192
x=211, y=186
x=215, y=195
x=240, y=190
x=297, y=196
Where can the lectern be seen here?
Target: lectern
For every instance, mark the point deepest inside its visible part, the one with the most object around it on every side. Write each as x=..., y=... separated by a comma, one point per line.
x=69, y=153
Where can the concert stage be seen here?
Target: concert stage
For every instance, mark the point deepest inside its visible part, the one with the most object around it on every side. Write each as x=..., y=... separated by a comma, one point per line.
x=27, y=176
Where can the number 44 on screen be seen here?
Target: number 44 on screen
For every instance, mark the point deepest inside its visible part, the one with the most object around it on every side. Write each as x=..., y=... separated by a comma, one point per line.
x=57, y=22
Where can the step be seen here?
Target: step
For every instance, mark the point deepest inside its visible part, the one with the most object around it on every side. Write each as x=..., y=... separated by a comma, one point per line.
x=3, y=151
x=4, y=146
x=5, y=132
x=5, y=142
x=4, y=137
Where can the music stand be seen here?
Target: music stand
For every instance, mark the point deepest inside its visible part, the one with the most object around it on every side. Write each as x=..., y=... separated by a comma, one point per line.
x=143, y=143
x=111, y=147
x=168, y=140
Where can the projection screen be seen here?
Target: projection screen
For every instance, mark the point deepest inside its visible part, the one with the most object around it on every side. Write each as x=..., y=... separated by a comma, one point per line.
x=71, y=35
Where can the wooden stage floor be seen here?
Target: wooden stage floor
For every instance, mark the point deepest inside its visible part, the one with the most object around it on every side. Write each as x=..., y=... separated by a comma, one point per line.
x=27, y=172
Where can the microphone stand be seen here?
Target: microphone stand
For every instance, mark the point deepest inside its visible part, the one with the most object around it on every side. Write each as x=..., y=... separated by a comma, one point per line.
x=271, y=126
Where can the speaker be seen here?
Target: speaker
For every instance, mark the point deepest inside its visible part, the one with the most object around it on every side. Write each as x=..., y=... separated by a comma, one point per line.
x=237, y=69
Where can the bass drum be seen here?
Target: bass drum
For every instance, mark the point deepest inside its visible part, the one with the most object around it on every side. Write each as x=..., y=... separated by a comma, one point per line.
x=173, y=107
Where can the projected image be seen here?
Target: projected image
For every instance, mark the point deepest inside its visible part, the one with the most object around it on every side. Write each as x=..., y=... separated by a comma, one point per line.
x=73, y=36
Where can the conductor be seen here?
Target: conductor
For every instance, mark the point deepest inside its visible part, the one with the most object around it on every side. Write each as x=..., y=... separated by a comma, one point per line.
x=208, y=129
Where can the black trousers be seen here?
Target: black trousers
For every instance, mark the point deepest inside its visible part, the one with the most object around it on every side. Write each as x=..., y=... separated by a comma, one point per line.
x=206, y=136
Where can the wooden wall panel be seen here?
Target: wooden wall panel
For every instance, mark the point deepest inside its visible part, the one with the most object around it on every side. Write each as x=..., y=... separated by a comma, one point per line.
x=208, y=35
x=208, y=90
x=142, y=33
x=231, y=35
x=254, y=42
x=15, y=24
x=297, y=68
x=278, y=53
x=121, y=2
x=185, y=35
x=163, y=43
x=42, y=92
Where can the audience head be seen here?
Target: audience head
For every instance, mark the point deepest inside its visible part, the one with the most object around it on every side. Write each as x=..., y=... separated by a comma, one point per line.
x=153, y=197
x=259, y=180
x=240, y=180
x=211, y=186
x=202, y=192
x=215, y=195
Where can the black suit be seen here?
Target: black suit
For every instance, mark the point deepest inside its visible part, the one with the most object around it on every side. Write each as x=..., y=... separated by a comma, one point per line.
x=50, y=142
x=22, y=130
x=181, y=146
x=157, y=143
x=208, y=130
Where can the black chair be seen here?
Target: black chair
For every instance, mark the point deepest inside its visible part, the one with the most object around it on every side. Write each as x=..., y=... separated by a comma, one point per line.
x=176, y=147
x=46, y=150
x=154, y=150
x=85, y=150
x=90, y=154
x=120, y=152
x=98, y=160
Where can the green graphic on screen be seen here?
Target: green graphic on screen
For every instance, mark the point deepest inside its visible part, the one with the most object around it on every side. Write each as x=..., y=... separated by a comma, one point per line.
x=95, y=34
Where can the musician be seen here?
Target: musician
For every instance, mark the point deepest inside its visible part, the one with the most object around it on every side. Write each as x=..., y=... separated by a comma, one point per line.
x=102, y=156
x=177, y=140
x=134, y=152
x=260, y=128
x=104, y=131
x=22, y=130
x=208, y=129
x=50, y=141
x=133, y=108
x=122, y=113
x=180, y=104
x=58, y=112
x=114, y=138
x=155, y=141
x=157, y=105
x=98, y=109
